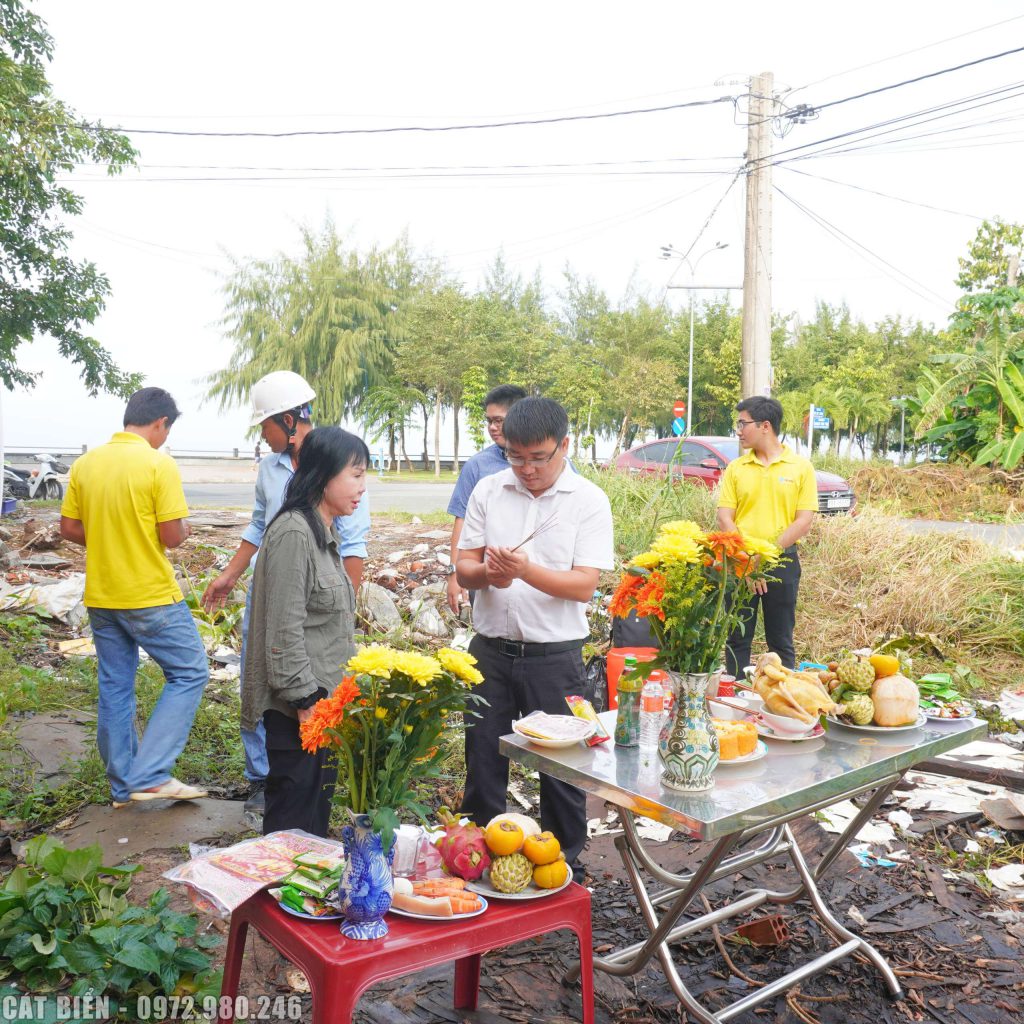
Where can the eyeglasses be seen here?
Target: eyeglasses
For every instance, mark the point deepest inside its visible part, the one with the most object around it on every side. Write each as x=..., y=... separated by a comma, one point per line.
x=515, y=460
x=495, y=421
x=742, y=425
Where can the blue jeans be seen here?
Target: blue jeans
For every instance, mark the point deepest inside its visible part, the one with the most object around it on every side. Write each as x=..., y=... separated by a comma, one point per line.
x=254, y=741
x=168, y=634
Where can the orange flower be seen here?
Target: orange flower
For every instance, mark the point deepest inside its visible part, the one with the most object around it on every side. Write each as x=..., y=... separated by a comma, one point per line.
x=327, y=714
x=625, y=593
x=727, y=542
x=744, y=564
x=650, y=596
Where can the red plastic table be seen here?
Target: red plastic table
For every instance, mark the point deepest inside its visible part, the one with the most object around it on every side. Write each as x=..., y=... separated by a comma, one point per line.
x=339, y=970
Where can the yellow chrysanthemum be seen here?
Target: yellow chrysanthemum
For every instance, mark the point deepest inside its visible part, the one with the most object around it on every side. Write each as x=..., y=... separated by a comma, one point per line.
x=768, y=551
x=673, y=548
x=685, y=528
x=372, y=661
x=460, y=664
x=647, y=560
x=418, y=667
x=380, y=712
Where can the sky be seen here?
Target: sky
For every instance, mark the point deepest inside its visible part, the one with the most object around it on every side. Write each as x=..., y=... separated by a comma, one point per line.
x=601, y=194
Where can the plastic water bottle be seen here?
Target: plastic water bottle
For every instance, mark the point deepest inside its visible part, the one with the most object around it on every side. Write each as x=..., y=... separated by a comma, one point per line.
x=652, y=711
x=627, y=721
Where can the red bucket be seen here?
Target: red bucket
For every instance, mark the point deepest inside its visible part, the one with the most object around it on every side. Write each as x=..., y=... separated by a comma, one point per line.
x=617, y=662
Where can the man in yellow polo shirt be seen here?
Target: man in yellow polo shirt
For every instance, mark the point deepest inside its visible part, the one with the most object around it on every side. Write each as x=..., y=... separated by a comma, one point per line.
x=771, y=494
x=125, y=504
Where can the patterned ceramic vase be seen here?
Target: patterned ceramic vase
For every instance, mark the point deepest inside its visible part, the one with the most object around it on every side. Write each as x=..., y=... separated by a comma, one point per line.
x=689, y=744
x=366, y=882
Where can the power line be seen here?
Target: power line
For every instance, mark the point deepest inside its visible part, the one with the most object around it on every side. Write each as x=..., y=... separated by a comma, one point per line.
x=951, y=109
x=884, y=195
x=905, y=53
x=858, y=247
x=524, y=122
x=919, y=78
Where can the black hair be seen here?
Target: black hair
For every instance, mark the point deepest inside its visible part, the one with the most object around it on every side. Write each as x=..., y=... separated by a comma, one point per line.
x=505, y=395
x=325, y=452
x=535, y=420
x=149, y=405
x=763, y=410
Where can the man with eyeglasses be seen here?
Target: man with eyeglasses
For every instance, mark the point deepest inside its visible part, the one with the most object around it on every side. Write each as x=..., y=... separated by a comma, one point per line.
x=496, y=403
x=771, y=494
x=535, y=539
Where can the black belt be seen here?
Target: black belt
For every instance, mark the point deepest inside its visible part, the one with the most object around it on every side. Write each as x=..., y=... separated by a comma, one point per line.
x=520, y=649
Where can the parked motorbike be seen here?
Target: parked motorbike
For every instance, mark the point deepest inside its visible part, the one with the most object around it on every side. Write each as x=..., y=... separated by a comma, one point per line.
x=14, y=485
x=38, y=483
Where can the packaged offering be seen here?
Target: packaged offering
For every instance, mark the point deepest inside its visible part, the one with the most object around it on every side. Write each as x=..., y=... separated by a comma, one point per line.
x=582, y=708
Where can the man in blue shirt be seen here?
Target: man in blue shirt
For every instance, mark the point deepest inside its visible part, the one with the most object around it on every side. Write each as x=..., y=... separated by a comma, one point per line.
x=497, y=403
x=281, y=408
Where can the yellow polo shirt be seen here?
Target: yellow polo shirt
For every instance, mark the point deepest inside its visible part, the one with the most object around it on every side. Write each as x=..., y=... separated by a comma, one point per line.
x=766, y=499
x=121, y=491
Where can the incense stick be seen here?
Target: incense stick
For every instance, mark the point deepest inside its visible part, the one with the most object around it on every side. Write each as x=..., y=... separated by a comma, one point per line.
x=547, y=524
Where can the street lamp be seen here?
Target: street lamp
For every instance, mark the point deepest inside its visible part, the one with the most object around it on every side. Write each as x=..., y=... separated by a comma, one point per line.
x=667, y=253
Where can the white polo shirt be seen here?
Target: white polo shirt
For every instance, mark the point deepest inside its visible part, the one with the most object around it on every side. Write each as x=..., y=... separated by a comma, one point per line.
x=501, y=512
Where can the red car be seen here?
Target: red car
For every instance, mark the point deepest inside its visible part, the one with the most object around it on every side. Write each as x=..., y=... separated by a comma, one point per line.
x=703, y=459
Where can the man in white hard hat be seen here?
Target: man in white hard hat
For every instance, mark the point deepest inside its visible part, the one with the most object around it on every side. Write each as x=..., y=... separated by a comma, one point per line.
x=281, y=408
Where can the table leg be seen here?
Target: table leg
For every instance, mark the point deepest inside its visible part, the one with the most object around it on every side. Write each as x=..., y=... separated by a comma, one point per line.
x=467, y=982
x=232, y=970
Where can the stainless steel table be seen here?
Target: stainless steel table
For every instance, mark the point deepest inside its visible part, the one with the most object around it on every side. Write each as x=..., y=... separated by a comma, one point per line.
x=754, y=801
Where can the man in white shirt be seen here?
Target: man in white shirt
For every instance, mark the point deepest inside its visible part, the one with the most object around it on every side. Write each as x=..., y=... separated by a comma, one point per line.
x=530, y=610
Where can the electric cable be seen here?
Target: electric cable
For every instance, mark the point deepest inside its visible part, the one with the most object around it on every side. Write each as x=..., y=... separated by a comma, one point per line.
x=905, y=53
x=397, y=129
x=858, y=247
x=884, y=195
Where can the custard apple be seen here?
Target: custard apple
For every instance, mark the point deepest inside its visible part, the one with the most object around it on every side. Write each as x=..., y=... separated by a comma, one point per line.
x=857, y=673
x=511, y=873
x=858, y=708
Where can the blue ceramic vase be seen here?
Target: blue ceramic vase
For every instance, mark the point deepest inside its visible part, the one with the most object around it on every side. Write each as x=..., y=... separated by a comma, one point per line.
x=366, y=883
x=689, y=744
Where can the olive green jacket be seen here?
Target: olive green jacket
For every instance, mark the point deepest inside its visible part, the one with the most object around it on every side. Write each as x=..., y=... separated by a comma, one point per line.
x=301, y=620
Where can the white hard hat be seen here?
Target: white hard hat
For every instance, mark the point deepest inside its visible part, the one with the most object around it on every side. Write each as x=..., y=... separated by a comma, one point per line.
x=279, y=391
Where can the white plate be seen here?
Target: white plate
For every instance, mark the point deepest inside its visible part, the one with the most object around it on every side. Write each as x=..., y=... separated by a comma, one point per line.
x=584, y=729
x=439, y=920
x=310, y=917
x=755, y=755
x=769, y=734
x=482, y=886
x=936, y=719
x=921, y=720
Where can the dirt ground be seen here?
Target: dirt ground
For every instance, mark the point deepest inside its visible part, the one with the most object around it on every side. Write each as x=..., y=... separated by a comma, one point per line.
x=956, y=962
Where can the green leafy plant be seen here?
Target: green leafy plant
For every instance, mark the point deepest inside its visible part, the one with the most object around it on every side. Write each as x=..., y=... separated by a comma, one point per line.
x=66, y=921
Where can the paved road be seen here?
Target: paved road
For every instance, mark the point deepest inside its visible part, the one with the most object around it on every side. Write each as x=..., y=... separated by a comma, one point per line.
x=995, y=533
x=418, y=498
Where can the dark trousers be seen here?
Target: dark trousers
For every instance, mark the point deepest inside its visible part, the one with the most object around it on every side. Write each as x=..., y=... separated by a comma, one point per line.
x=514, y=687
x=778, y=606
x=299, y=785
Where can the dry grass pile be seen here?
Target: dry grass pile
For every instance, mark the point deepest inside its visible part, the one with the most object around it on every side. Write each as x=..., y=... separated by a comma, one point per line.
x=866, y=580
x=934, y=491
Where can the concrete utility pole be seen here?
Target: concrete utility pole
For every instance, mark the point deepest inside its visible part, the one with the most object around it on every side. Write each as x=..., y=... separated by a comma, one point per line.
x=756, y=374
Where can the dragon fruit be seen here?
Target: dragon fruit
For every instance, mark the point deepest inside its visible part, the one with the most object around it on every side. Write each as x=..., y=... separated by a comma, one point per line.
x=463, y=848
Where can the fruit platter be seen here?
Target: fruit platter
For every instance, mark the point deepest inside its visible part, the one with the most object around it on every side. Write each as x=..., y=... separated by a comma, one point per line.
x=509, y=859
x=444, y=899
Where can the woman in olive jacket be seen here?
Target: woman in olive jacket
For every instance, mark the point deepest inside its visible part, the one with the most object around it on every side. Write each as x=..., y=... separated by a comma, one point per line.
x=302, y=618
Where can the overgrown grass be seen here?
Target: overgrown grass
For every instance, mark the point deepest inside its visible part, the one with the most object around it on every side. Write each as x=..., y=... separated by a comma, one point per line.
x=865, y=580
x=843, y=465
x=934, y=491
x=641, y=504
x=213, y=755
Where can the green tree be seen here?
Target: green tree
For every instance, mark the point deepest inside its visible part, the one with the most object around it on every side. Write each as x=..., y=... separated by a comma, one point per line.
x=387, y=410
x=987, y=263
x=331, y=314
x=985, y=383
x=474, y=391
x=43, y=291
